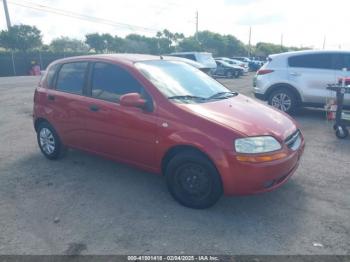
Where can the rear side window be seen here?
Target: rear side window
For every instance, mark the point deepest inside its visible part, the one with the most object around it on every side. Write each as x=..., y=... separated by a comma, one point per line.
x=109, y=82
x=51, y=75
x=71, y=77
x=318, y=61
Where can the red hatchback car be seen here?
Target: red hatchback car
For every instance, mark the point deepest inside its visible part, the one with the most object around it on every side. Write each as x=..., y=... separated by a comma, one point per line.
x=169, y=118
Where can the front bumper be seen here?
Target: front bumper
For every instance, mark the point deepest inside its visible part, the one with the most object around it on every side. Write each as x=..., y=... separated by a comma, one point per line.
x=260, y=96
x=251, y=178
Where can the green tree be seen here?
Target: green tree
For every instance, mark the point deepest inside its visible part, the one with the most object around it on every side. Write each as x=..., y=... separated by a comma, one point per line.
x=266, y=49
x=66, y=44
x=95, y=42
x=118, y=44
x=189, y=44
x=105, y=43
x=218, y=45
x=232, y=46
x=21, y=37
x=211, y=42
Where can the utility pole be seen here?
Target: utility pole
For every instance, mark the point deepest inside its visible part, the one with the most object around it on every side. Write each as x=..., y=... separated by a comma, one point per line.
x=249, y=43
x=281, y=42
x=197, y=25
x=324, y=42
x=8, y=21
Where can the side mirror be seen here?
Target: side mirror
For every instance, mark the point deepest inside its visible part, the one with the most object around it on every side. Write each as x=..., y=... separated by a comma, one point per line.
x=132, y=100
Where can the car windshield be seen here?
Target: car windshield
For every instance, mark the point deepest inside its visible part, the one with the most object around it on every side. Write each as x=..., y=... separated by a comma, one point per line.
x=182, y=82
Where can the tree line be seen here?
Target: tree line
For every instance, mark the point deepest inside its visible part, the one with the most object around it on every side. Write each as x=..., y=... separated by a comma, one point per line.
x=26, y=38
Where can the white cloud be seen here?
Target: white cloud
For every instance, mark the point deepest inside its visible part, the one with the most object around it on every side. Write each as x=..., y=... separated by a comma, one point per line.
x=301, y=22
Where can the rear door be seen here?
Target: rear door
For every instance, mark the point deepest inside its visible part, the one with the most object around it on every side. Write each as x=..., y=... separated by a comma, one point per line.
x=342, y=67
x=125, y=133
x=66, y=103
x=311, y=73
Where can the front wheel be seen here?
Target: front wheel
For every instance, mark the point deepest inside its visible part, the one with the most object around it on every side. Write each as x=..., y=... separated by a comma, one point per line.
x=284, y=100
x=193, y=180
x=49, y=141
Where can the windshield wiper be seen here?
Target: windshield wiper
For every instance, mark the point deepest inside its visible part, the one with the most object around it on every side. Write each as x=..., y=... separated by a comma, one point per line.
x=186, y=97
x=222, y=95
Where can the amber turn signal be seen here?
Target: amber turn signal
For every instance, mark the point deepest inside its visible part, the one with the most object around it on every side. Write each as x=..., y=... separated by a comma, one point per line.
x=260, y=158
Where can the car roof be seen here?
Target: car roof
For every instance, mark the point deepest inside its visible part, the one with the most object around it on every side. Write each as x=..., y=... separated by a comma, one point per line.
x=123, y=58
x=188, y=53
x=305, y=52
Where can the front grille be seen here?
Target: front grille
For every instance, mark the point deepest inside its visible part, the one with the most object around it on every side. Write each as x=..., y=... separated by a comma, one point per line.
x=294, y=140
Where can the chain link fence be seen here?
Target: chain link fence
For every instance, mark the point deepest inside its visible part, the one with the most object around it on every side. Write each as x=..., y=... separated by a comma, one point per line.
x=20, y=63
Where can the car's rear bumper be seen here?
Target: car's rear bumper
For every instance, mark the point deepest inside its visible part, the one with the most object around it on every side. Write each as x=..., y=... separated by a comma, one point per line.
x=251, y=178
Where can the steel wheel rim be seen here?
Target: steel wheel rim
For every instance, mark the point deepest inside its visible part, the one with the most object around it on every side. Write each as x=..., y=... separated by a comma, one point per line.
x=47, y=141
x=281, y=101
x=193, y=181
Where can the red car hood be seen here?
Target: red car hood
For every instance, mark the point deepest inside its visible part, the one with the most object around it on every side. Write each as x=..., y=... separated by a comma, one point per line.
x=247, y=116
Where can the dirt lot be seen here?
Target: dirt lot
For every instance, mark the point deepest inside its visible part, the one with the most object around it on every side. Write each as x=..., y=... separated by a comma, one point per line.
x=88, y=205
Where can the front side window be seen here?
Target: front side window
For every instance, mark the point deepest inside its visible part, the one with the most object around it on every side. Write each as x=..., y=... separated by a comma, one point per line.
x=109, y=82
x=71, y=77
x=318, y=61
x=342, y=61
x=177, y=80
x=347, y=61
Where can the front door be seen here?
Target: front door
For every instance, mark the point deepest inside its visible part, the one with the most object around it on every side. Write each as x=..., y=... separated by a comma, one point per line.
x=125, y=133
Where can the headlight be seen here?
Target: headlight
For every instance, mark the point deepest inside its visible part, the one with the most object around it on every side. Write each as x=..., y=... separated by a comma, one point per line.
x=256, y=145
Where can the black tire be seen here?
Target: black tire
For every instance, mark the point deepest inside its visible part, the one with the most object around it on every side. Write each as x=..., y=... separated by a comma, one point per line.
x=342, y=132
x=193, y=180
x=237, y=73
x=58, y=149
x=283, y=94
x=229, y=74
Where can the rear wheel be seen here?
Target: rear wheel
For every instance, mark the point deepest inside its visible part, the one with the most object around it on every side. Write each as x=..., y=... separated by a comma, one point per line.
x=193, y=180
x=49, y=141
x=284, y=100
x=237, y=73
x=342, y=132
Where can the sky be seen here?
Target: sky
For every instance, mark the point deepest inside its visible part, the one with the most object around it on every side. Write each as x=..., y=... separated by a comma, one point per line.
x=301, y=22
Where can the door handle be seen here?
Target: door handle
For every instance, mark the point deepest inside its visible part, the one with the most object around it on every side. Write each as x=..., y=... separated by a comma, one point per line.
x=94, y=108
x=295, y=74
x=51, y=97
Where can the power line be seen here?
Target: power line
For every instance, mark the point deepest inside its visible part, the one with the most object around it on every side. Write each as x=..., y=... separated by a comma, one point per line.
x=93, y=19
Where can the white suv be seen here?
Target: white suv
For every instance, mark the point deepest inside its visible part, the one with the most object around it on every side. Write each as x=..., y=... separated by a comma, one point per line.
x=294, y=79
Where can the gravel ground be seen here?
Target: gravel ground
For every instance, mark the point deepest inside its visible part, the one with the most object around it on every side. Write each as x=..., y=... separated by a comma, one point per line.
x=84, y=204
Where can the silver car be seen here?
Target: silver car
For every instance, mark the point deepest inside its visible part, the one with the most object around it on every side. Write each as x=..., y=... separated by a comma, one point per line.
x=295, y=79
